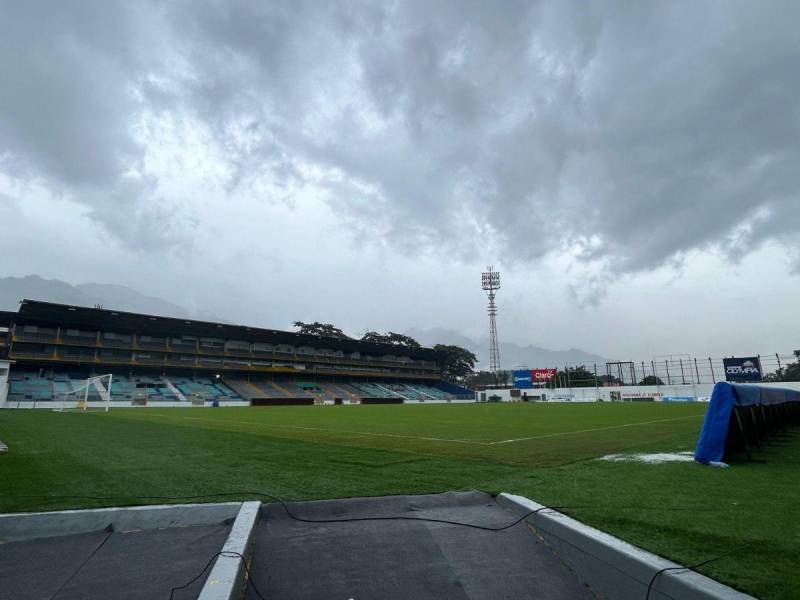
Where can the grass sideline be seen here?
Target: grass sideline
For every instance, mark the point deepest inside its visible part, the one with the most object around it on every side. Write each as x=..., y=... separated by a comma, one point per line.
x=544, y=451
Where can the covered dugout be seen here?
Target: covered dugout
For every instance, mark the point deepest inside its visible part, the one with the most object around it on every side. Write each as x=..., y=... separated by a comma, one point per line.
x=741, y=416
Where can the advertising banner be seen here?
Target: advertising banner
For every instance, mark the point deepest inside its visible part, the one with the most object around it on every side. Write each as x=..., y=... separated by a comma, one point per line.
x=522, y=379
x=742, y=370
x=543, y=375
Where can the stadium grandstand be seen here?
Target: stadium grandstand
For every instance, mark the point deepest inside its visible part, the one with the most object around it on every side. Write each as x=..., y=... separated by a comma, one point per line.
x=53, y=351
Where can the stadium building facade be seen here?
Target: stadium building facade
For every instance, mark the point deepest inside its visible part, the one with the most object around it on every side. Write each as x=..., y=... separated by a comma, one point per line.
x=52, y=349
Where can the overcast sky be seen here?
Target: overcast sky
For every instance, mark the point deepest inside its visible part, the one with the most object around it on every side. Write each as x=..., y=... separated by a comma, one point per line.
x=632, y=168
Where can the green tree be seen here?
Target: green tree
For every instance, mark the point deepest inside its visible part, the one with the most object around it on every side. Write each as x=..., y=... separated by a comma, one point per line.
x=608, y=380
x=576, y=377
x=320, y=330
x=391, y=338
x=790, y=372
x=457, y=363
x=651, y=380
x=488, y=378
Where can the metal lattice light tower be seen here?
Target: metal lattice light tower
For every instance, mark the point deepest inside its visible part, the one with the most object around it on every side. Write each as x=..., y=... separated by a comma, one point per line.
x=490, y=281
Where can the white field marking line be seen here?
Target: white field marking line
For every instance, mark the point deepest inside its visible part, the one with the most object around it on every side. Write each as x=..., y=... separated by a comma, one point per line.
x=435, y=439
x=549, y=435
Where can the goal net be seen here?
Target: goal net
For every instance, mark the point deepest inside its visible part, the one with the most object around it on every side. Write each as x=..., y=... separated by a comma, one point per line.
x=92, y=394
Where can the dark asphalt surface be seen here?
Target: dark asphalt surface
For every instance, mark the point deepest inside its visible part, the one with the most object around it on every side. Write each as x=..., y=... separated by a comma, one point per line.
x=395, y=560
x=102, y=565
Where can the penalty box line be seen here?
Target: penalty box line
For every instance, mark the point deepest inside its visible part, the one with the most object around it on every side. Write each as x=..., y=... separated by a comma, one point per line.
x=447, y=440
x=562, y=433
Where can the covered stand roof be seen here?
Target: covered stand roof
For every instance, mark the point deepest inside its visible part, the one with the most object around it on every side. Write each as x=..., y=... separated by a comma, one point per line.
x=7, y=318
x=34, y=312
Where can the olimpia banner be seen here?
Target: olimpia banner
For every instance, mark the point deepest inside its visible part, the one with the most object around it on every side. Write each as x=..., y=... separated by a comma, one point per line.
x=742, y=370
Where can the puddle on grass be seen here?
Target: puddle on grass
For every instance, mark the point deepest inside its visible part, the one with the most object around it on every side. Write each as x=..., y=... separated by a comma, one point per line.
x=651, y=459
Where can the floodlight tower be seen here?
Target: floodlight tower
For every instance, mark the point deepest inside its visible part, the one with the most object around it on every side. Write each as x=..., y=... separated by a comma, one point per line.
x=490, y=281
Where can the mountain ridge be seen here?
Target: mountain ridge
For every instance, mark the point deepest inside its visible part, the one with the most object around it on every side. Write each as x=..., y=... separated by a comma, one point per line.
x=120, y=297
x=511, y=354
x=33, y=287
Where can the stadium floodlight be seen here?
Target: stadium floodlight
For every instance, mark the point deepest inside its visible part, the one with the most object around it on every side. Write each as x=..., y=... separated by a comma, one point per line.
x=490, y=282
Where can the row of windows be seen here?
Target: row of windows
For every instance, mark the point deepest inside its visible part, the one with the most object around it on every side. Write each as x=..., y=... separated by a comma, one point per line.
x=35, y=333
x=26, y=350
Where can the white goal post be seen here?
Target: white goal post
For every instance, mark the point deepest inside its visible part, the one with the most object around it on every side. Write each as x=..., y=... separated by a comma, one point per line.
x=94, y=393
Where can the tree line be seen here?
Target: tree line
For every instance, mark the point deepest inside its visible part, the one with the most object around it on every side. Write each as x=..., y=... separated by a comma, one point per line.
x=457, y=364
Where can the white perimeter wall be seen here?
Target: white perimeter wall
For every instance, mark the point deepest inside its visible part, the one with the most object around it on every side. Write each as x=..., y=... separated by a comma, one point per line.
x=54, y=404
x=5, y=368
x=676, y=393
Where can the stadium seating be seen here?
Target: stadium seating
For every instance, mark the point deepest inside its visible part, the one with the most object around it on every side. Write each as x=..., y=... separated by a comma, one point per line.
x=374, y=390
x=45, y=386
x=418, y=392
x=202, y=388
x=403, y=390
x=425, y=392
x=342, y=390
x=27, y=386
x=455, y=390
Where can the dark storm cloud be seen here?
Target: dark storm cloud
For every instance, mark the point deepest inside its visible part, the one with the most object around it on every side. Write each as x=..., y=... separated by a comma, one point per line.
x=628, y=134
x=67, y=103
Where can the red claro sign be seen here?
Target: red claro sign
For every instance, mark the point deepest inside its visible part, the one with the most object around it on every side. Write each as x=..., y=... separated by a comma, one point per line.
x=543, y=374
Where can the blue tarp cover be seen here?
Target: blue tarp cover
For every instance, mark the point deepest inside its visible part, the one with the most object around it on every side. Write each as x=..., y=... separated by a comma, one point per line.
x=711, y=444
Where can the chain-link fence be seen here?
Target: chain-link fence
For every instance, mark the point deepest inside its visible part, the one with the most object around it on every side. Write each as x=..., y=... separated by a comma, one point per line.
x=668, y=370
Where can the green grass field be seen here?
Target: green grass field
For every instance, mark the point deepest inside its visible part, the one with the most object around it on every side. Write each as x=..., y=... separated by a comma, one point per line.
x=544, y=451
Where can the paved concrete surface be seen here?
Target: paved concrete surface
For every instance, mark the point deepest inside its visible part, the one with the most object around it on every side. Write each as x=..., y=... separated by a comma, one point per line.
x=395, y=560
x=130, y=565
x=17, y=527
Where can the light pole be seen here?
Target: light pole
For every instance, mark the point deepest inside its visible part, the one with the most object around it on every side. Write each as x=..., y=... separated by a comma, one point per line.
x=490, y=282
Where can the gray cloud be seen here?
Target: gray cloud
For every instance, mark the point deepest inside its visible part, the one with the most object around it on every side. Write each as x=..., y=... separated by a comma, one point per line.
x=627, y=135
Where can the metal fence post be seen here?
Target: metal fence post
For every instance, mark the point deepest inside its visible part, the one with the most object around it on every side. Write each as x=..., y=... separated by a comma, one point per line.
x=696, y=370
x=711, y=364
x=666, y=364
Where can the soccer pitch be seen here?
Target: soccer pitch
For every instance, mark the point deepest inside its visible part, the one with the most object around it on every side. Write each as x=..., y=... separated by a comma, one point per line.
x=547, y=452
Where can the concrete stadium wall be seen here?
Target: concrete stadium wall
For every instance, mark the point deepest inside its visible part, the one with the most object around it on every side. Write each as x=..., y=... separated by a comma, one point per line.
x=225, y=579
x=412, y=401
x=53, y=404
x=614, y=568
x=690, y=392
x=5, y=368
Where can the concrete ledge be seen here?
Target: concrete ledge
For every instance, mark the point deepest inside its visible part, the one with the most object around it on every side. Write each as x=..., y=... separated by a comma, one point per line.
x=25, y=526
x=225, y=580
x=613, y=568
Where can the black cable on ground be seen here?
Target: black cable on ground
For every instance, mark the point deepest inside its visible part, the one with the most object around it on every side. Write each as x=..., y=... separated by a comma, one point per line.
x=275, y=498
x=291, y=515
x=227, y=554
x=297, y=518
x=690, y=567
x=109, y=532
